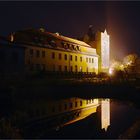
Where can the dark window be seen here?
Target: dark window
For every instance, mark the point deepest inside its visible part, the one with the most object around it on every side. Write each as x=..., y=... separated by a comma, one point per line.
x=59, y=56
x=32, y=67
x=76, y=68
x=43, y=67
x=53, y=109
x=53, y=67
x=78, y=48
x=53, y=55
x=31, y=52
x=73, y=47
x=81, y=58
x=65, y=57
x=15, y=57
x=89, y=60
x=75, y=58
x=60, y=108
x=62, y=43
x=2, y=57
x=37, y=66
x=68, y=46
x=70, y=105
x=43, y=53
x=65, y=106
x=37, y=53
x=71, y=68
x=66, y=68
x=60, y=68
x=75, y=104
x=71, y=57
x=92, y=60
x=80, y=103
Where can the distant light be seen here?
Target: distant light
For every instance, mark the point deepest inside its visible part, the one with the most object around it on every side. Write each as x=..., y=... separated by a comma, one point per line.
x=110, y=71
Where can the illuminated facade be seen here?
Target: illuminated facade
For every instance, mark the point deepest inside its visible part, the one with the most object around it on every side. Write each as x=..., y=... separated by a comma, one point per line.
x=54, y=52
x=103, y=49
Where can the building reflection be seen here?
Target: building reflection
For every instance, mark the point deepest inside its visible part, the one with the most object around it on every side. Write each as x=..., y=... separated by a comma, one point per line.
x=75, y=109
x=55, y=114
x=71, y=110
x=105, y=113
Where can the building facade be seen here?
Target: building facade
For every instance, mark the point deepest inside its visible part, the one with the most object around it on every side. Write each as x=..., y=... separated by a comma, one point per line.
x=54, y=52
x=12, y=58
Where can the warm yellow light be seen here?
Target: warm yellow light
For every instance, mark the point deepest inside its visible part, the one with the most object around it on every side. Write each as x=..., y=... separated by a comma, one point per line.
x=110, y=71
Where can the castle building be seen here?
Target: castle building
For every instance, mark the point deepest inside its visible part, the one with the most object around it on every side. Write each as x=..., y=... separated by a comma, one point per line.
x=54, y=52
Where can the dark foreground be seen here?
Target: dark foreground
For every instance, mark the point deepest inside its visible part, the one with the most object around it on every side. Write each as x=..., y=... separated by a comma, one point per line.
x=17, y=95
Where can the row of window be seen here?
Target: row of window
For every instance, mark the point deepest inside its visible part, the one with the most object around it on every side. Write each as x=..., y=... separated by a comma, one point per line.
x=71, y=105
x=43, y=54
x=58, y=67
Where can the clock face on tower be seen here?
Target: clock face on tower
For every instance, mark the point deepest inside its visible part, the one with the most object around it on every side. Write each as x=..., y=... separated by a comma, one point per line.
x=104, y=50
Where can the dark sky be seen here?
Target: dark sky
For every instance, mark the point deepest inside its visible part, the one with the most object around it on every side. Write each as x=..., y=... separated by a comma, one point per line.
x=121, y=19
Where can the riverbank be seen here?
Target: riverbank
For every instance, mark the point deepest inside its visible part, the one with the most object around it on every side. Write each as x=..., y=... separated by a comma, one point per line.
x=72, y=87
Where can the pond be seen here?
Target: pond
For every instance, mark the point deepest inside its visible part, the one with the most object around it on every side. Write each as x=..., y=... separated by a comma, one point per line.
x=102, y=118
x=71, y=118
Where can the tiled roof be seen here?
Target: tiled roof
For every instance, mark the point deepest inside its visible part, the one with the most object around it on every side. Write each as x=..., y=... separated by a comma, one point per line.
x=64, y=38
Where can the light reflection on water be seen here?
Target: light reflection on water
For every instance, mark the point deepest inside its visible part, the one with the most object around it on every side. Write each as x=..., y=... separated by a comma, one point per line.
x=75, y=109
x=73, y=118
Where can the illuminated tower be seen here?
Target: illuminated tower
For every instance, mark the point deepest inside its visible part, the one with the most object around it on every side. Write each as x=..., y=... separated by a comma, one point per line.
x=103, y=50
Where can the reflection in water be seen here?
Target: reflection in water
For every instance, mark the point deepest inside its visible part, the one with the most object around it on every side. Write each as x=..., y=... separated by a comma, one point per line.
x=105, y=114
x=64, y=112
x=68, y=111
x=34, y=117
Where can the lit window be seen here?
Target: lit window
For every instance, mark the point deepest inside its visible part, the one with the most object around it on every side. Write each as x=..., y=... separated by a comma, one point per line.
x=81, y=69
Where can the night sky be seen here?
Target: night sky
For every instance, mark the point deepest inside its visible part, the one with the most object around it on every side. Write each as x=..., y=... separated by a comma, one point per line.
x=72, y=19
